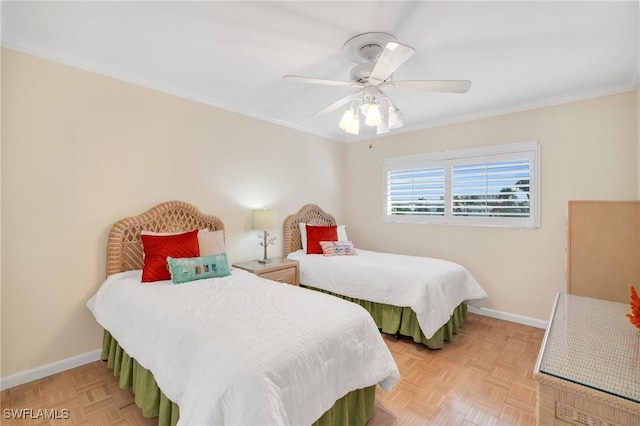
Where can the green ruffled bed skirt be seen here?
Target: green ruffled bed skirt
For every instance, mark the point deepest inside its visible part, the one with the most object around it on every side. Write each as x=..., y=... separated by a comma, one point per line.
x=355, y=408
x=147, y=394
x=403, y=320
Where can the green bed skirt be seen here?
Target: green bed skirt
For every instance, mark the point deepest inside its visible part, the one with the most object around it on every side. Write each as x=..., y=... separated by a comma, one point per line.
x=355, y=408
x=392, y=319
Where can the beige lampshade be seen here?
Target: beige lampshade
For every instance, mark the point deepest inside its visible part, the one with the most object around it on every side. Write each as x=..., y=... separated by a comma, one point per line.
x=264, y=219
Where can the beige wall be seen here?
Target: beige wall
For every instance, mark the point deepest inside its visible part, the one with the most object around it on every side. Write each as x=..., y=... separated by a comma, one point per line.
x=589, y=150
x=81, y=151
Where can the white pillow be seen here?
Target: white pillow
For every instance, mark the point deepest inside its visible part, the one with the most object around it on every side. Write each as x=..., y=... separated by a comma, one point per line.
x=342, y=234
x=210, y=242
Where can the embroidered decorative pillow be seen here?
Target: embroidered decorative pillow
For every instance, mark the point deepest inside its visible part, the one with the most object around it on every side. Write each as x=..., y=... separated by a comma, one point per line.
x=196, y=268
x=315, y=234
x=337, y=248
x=158, y=247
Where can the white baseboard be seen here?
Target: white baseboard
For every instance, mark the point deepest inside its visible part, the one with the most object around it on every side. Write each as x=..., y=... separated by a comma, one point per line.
x=49, y=369
x=533, y=322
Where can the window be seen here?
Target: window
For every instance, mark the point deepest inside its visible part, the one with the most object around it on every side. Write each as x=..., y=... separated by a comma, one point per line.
x=492, y=186
x=418, y=192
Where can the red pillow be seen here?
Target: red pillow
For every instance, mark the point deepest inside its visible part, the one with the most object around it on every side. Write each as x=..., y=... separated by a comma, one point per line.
x=315, y=234
x=158, y=247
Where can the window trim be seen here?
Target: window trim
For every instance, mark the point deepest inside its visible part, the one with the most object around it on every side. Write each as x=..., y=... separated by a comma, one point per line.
x=529, y=149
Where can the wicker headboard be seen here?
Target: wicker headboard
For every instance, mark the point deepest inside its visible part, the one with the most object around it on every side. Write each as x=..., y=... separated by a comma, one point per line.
x=309, y=213
x=124, y=248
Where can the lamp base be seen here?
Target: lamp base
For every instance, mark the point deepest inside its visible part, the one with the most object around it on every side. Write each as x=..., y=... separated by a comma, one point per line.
x=265, y=241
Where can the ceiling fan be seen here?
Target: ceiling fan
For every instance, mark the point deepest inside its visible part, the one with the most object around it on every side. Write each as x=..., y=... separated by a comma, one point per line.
x=378, y=55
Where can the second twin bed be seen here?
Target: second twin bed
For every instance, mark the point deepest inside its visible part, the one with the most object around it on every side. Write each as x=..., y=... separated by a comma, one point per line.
x=420, y=297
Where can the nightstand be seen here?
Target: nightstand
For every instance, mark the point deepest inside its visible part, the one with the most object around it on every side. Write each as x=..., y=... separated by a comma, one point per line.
x=281, y=270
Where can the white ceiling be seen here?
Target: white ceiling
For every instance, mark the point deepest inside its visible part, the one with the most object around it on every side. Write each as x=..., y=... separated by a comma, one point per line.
x=518, y=55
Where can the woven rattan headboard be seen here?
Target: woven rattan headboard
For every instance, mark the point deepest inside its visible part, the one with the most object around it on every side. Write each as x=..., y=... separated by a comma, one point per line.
x=124, y=248
x=309, y=213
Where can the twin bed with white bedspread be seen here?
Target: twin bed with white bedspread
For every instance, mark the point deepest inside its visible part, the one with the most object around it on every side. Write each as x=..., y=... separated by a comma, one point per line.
x=420, y=297
x=237, y=349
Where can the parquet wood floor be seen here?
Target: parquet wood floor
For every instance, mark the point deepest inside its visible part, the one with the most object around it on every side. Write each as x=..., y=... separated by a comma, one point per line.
x=483, y=377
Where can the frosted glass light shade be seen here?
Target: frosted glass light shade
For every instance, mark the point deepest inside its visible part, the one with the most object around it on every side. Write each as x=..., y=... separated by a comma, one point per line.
x=264, y=219
x=395, y=119
x=347, y=119
x=382, y=128
x=374, y=117
x=354, y=128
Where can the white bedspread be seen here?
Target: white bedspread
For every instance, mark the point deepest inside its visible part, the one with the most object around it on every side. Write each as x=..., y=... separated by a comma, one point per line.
x=243, y=350
x=433, y=288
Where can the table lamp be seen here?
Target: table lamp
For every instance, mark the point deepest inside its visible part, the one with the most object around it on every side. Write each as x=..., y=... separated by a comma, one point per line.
x=264, y=220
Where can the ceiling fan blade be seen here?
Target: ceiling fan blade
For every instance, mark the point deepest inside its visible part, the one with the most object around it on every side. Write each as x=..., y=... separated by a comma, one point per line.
x=393, y=55
x=337, y=104
x=321, y=81
x=452, y=86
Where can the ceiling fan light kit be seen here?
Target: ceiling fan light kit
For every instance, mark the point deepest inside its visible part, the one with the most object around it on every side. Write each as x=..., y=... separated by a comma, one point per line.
x=378, y=56
x=372, y=112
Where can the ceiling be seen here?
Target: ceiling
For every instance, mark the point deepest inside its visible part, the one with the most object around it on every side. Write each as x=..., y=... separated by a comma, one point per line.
x=519, y=55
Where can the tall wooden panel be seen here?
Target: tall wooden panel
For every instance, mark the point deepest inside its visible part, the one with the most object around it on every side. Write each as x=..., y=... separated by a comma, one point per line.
x=603, y=249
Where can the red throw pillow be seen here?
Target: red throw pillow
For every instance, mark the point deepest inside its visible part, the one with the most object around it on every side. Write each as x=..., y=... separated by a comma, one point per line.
x=157, y=248
x=315, y=234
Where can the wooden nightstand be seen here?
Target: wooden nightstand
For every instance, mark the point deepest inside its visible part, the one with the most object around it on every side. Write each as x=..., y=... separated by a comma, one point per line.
x=281, y=270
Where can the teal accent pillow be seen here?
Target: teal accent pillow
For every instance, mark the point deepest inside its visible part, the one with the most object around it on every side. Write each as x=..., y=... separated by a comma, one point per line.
x=196, y=268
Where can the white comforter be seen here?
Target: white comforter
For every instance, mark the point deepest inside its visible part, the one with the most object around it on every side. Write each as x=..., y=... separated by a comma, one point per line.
x=243, y=350
x=433, y=288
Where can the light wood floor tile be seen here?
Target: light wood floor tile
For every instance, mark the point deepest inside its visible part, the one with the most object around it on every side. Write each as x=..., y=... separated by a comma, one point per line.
x=482, y=378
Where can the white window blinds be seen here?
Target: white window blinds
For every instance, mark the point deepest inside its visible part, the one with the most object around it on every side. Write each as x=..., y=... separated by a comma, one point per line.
x=418, y=192
x=495, y=186
x=497, y=189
